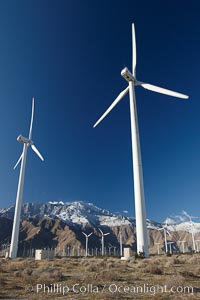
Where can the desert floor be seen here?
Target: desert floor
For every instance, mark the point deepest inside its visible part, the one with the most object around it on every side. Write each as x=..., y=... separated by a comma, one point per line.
x=158, y=277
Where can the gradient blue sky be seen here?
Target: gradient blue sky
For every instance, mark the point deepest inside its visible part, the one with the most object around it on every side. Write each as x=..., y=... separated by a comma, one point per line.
x=69, y=55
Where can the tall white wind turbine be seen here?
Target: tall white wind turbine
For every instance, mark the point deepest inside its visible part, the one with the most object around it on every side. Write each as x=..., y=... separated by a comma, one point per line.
x=102, y=240
x=140, y=210
x=26, y=143
x=86, y=242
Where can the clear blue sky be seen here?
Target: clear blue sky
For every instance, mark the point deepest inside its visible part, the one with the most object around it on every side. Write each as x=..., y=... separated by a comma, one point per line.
x=69, y=55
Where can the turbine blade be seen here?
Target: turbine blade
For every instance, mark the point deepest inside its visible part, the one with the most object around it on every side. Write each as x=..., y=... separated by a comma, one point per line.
x=31, y=124
x=101, y=231
x=90, y=234
x=168, y=233
x=84, y=233
x=134, y=55
x=37, y=152
x=20, y=158
x=119, y=97
x=158, y=89
x=106, y=233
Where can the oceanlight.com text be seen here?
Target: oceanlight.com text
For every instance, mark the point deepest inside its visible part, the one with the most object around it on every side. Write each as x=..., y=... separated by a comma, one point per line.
x=113, y=288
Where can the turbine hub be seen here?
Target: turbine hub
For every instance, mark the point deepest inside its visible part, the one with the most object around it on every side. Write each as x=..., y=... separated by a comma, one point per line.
x=23, y=140
x=128, y=76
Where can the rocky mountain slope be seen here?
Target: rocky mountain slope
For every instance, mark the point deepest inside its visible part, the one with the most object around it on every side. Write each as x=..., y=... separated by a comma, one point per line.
x=58, y=224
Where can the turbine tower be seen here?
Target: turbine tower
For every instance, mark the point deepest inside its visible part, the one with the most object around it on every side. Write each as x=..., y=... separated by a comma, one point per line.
x=86, y=242
x=102, y=240
x=140, y=210
x=26, y=143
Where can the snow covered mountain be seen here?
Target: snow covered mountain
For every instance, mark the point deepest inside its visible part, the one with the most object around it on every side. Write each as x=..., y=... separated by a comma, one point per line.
x=82, y=213
x=59, y=224
x=77, y=213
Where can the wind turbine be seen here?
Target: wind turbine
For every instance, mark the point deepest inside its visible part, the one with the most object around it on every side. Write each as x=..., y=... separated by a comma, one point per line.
x=192, y=228
x=158, y=247
x=120, y=242
x=26, y=143
x=102, y=240
x=183, y=245
x=192, y=232
x=140, y=210
x=164, y=228
x=86, y=242
x=170, y=246
x=197, y=243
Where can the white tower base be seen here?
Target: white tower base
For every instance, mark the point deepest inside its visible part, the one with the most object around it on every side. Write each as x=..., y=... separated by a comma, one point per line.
x=140, y=210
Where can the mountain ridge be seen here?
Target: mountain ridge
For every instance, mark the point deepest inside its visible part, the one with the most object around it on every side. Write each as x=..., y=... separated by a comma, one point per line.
x=59, y=224
x=80, y=213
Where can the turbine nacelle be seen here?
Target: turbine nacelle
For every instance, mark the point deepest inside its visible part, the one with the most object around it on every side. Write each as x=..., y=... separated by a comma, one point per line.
x=28, y=141
x=128, y=76
x=23, y=140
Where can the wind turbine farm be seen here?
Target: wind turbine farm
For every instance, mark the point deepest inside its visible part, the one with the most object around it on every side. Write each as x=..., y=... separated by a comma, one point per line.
x=102, y=217
x=74, y=260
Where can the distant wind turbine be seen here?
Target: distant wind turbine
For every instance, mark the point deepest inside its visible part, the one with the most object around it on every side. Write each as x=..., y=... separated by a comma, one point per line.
x=183, y=245
x=170, y=246
x=140, y=210
x=192, y=228
x=158, y=247
x=120, y=242
x=192, y=232
x=164, y=228
x=197, y=243
x=26, y=143
x=102, y=240
x=86, y=242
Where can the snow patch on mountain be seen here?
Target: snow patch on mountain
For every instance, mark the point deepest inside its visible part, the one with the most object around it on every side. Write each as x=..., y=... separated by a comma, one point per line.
x=112, y=221
x=56, y=203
